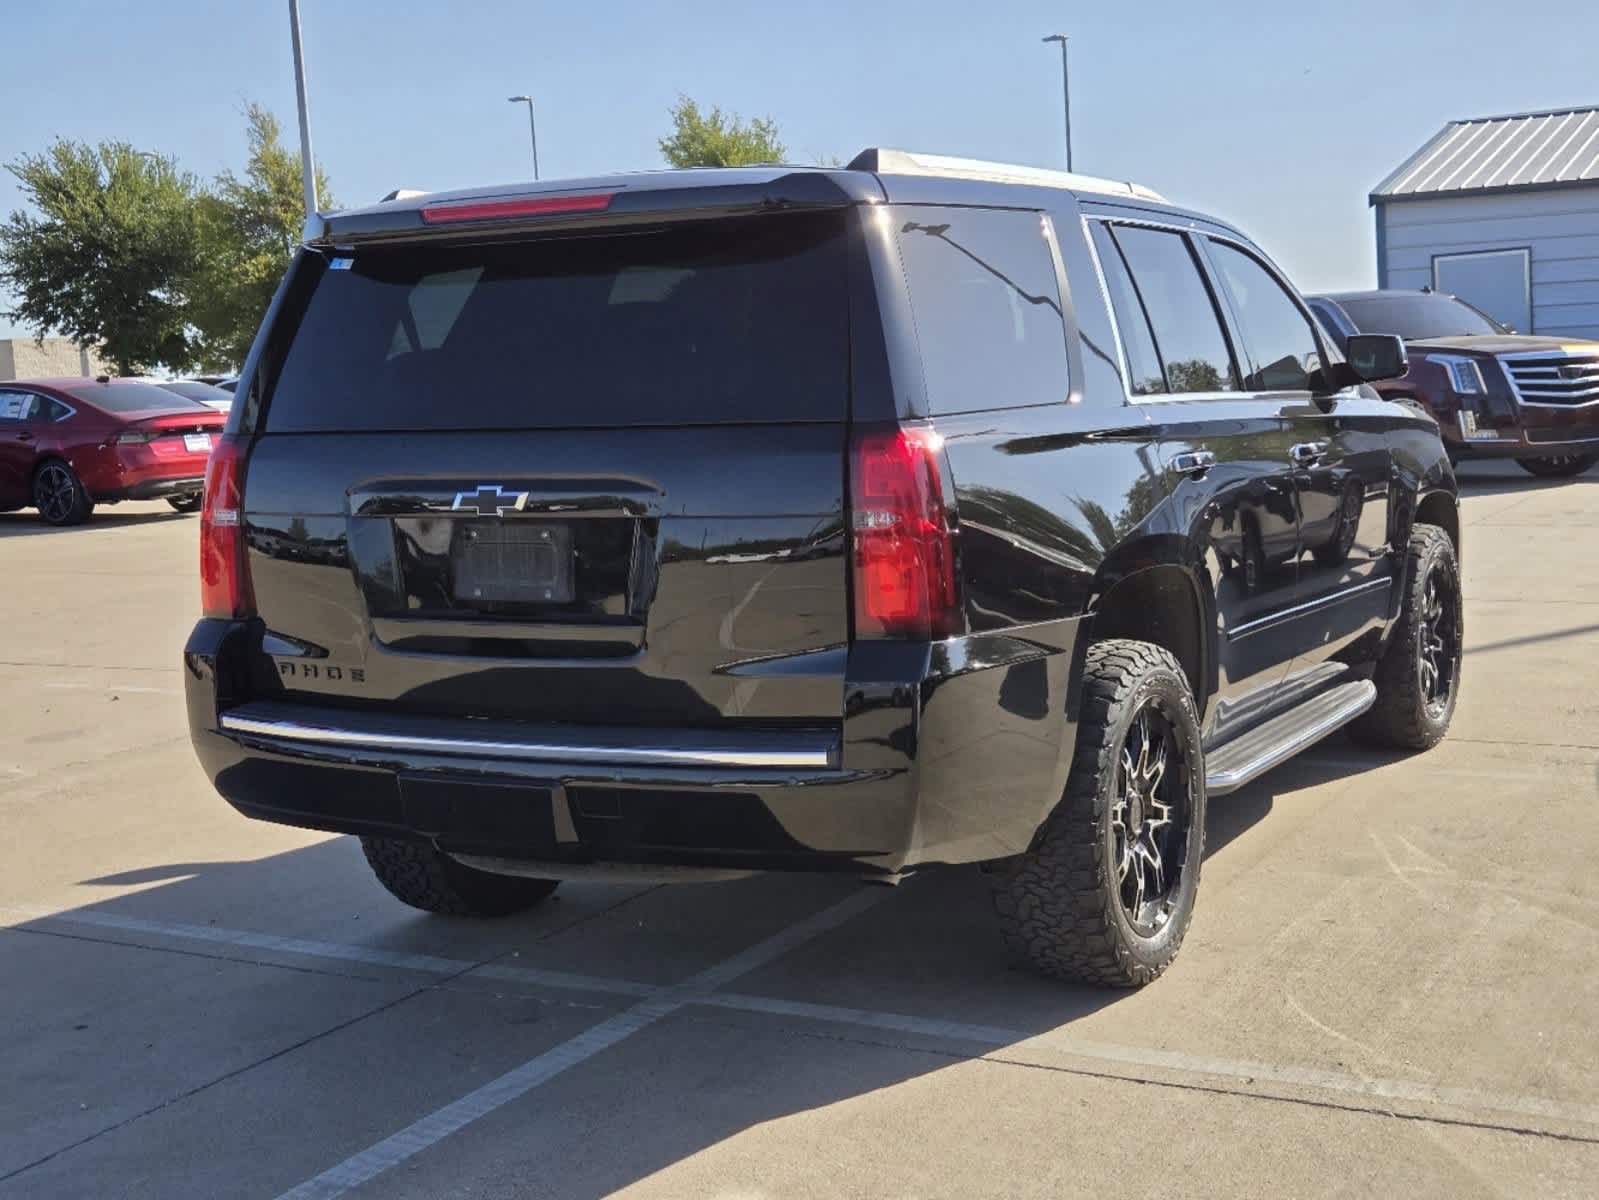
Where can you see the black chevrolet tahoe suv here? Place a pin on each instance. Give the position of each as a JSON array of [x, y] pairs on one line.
[[917, 512]]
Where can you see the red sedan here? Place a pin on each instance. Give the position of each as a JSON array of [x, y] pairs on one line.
[[69, 444]]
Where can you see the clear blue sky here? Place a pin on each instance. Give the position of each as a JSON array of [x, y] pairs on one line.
[[1280, 117]]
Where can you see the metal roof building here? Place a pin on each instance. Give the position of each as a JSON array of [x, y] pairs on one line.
[[1503, 211]]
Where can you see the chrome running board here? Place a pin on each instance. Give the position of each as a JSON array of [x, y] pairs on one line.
[[1252, 754]]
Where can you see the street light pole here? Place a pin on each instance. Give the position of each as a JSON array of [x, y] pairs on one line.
[[1066, 88], [532, 129], [307, 163]]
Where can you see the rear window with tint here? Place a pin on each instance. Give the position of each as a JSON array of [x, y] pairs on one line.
[[133, 397], [731, 321]]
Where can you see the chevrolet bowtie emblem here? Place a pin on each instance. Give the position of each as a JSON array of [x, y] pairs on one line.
[[489, 500]]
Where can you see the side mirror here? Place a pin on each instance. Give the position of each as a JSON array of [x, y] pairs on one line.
[[1374, 356]]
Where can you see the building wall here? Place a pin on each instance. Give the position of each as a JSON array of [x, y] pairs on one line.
[[24, 358], [1560, 227]]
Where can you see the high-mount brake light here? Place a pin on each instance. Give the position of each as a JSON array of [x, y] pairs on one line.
[[225, 589], [902, 547], [496, 210]]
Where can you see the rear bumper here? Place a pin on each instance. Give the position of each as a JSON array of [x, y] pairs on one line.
[[153, 489], [948, 753]]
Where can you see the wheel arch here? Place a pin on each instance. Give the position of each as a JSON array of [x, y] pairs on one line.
[[1441, 508], [1165, 604]]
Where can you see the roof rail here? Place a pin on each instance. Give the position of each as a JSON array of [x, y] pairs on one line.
[[884, 161]]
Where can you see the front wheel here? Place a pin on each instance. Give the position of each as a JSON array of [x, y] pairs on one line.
[[1418, 676], [431, 880], [59, 494], [1106, 892], [1560, 466]]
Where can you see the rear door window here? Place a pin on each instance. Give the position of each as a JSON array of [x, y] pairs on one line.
[[1145, 376], [987, 307], [727, 321], [1277, 335], [1188, 332]]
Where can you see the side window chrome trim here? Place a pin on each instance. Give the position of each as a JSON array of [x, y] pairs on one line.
[[1193, 229], [1123, 370], [1190, 230]]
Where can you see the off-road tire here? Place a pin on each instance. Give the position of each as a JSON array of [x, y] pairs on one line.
[[1562, 466], [1400, 717], [426, 878], [49, 478], [1058, 904]]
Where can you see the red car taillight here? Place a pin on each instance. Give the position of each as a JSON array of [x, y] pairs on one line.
[[902, 548], [224, 574]]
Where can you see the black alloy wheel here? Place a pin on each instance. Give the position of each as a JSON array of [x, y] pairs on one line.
[[1105, 892], [1149, 819], [1438, 658], [59, 495]]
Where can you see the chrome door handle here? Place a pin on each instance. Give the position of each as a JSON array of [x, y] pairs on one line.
[[1307, 453], [1191, 462]]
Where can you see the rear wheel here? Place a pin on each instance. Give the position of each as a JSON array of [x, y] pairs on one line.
[[59, 494], [1560, 466], [1106, 892], [1418, 676], [428, 879], [185, 503]]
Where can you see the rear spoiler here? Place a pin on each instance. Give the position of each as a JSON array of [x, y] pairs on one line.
[[618, 203]]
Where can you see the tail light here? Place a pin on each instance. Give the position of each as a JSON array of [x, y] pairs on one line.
[[224, 574], [134, 437], [903, 551]]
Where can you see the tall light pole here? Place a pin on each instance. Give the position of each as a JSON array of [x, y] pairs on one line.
[[532, 129], [1066, 89], [307, 163]]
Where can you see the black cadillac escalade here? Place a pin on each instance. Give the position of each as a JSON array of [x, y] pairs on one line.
[[863, 520]]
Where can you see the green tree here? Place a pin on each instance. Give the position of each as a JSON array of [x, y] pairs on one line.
[[249, 229], [718, 139], [105, 259]]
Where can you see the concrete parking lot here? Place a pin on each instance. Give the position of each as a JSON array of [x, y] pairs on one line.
[[1390, 986]]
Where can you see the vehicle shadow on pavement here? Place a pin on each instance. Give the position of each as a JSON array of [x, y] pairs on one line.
[[27, 524], [928, 951]]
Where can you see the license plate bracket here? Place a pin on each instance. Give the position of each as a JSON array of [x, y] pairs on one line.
[[519, 562]]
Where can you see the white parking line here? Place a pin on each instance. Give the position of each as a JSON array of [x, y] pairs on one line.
[[343, 952], [433, 1128], [59, 686], [659, 1001]]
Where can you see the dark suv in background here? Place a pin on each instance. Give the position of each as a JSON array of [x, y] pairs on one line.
[[858, 520], [1496, 393]]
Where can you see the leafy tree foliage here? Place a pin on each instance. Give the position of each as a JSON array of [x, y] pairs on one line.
[[107, 256], [249, 229], [718, 139]]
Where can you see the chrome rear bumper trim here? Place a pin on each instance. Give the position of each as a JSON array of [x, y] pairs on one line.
[[792, 751]]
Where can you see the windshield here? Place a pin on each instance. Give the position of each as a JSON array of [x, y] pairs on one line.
[[726, 321], [128, 396], [193, 389], [1414, 315]]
